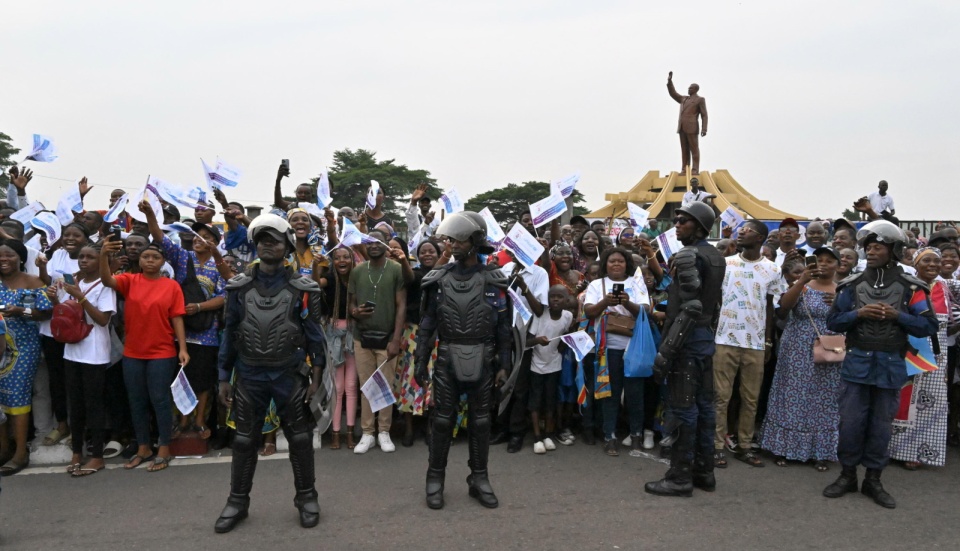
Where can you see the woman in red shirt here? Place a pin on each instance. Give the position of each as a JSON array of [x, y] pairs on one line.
[[153, 317]]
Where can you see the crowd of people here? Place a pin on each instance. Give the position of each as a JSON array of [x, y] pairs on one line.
[[98, 324]]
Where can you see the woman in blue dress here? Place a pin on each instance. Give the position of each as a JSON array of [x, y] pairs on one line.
[[24, 304]]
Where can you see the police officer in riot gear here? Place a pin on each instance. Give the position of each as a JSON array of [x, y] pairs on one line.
[[877, 309], [271, 327], [685, 358], [465, 306]]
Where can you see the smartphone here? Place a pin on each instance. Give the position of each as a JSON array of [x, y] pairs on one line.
[[116, 234], [369, 304], [3, 307], [810, 261], [285, 163], [68, 278], [617, 288]]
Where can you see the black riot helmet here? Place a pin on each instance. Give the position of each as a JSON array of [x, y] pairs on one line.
[[466, 226], [701, 212]]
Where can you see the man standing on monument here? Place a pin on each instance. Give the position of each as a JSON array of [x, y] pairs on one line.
[[688, 126]]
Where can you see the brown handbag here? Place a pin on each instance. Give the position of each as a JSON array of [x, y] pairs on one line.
[[827, 349], [618, 324]]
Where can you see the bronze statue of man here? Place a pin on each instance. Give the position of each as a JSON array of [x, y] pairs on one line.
[[688, 126]]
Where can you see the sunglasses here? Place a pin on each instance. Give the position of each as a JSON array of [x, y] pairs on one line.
[[681, 220]]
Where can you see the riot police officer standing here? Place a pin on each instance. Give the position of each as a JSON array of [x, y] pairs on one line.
[[465, 306], [685, 358]]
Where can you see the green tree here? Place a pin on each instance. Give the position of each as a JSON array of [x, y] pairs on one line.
[[350, 176], [508, 202], [851, 215], [7, 152]]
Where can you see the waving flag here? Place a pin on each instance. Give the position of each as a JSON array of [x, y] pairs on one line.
[[68, 204], [222, 174], [352, 236], [451, 201], [523, 245], [43, 150], [731, 217], [519, 306], [27, 213], [566, 185], [49, 224], [638, 217], [323, 190], [494, 232], [669, 245], [580, 343], [118, 207], [547, 209], [149, 193], [372, 194]]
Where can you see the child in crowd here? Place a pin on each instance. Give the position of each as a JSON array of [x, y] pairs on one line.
[[545, 365]]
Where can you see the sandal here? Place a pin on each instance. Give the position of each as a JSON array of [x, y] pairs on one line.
[[821, 466], [11, 467], [85, 471], [72, 467], [720, 460], [269, 449], [780, 461], [137, 460], [750, 458], [335, 441], [54, 437], [203, 432], [159, 464]]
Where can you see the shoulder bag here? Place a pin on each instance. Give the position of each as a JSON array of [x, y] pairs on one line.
[[827, 349], [618, 324]]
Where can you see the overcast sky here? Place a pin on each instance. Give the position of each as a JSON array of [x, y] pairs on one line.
[[811, 103]]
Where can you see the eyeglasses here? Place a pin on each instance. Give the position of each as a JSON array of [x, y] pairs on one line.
[[681, 220], [748, 229]]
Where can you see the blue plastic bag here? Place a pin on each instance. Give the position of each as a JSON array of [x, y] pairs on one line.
[[642, 350]]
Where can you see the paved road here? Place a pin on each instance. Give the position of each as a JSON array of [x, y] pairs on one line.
[[574, 498]]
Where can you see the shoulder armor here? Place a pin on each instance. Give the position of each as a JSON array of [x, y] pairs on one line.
[[304, 284], [914, 282], [495, 276], [435, 274], [238, 281], [851, 279]]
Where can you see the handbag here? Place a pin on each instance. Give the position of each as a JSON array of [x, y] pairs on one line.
[[375, 340], [640, 354], [618, 324], [827, 349]]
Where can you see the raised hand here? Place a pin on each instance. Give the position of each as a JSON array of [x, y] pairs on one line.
[[670, 76], [84, 187], [20, 178]]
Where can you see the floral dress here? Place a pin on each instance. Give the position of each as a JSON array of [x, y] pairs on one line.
[[803, 412], [22, 356]]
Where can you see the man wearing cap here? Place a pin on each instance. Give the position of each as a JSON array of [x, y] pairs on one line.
[[466, 309], [272, 316], [877, 310], [788, 234], [419, 214], [685, 358]]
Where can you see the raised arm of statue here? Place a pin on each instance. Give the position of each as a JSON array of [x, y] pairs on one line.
[[673, 91]]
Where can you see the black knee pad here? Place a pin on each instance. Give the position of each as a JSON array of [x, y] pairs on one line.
[[298, 439], [245, 443], [443, 423]]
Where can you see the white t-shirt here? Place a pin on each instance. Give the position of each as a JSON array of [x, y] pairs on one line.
[[637, 293], [95, 348], [31, 266], [880, 203], [546, 359], [60, 263], [536, 279], [691, 197], [743, 311]]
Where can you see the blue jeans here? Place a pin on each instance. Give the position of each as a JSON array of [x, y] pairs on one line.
[[148, 382], [632, 390]]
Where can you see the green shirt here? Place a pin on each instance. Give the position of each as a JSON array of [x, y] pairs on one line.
[[380, 287]]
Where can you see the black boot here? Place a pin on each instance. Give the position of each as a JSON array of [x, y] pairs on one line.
[[845, 483], [435, 480], [515, 444], [232, 514], [873, 488], [705, 481], [306, 502], [676, 483], [481, 490]]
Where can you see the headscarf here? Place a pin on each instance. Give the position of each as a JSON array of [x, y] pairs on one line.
[[314, 237], [924, 251]]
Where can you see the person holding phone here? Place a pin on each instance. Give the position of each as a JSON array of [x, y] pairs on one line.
[[153, 317], [616, 294]]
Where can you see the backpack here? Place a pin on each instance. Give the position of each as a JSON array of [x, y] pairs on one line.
[[193, 294], [69, 323]]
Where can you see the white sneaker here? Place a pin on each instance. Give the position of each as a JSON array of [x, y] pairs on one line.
[[628, 441], [365, 443], [565, 439], [648, 439], [548, 443], [539, 448], [385, 443]]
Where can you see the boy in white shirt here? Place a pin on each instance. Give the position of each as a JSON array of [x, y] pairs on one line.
[[545, 365]]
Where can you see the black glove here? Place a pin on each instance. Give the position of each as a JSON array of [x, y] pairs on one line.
[[421, 374], [660, 365]]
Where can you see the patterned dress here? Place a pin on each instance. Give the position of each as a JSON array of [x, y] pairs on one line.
[[803, 412], [920, 428], [22, 357]]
